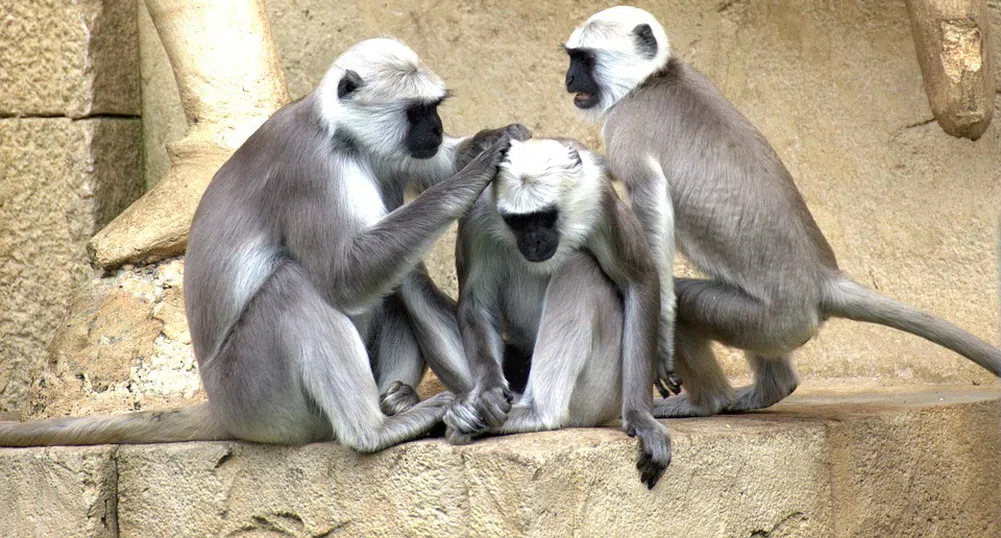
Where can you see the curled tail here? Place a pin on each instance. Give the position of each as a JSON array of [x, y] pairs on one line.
[[844, 298], [193, 423]]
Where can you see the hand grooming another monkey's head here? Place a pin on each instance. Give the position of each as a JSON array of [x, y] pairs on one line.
[[610, 53]]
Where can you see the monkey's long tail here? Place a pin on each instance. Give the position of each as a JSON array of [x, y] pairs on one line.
[[845, 298], [193, 423]]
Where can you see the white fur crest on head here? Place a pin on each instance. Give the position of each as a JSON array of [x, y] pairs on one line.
[[540, 174], [392, 76], [619, 64]]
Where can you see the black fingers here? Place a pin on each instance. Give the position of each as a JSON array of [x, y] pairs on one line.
[[654, 450], [651, 470], [494, 405], [671, 385]]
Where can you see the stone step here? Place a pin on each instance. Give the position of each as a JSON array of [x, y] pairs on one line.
[[919, 462]]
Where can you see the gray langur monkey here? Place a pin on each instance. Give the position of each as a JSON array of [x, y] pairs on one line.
[[700, 175], [303, 286], [550, 258]]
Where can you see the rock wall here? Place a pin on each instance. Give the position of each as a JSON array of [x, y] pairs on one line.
[[70, 160]]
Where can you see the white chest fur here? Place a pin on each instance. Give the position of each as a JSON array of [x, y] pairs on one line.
[[362, 194]]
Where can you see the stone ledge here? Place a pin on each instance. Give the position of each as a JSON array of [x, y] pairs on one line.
[[892, 463]]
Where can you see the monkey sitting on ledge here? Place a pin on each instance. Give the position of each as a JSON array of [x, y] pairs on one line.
[[550, 257], [303, 272]]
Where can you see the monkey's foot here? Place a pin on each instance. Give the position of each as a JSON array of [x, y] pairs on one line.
[[474, 413], [654, 448], [759, 397], [398, 398], [682, 407]]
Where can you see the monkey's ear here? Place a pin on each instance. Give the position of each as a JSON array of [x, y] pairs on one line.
[[646, 43], [348, 84]]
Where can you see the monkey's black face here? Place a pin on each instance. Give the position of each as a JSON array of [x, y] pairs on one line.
[[424, 135], [580, 79], [536, 233]]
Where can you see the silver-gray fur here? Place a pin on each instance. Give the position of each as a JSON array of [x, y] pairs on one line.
[[310, 312], [737, 216], [587, 316]]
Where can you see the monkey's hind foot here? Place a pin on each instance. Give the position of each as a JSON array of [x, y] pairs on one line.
[[681, 406], [475, 413], [398, 398], [759, 397]]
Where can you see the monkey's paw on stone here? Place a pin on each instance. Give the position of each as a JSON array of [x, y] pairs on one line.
[[398, 398], [474, 413], [654, 449]]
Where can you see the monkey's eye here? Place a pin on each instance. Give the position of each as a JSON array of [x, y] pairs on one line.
[[420, 111], [582, 56], [537, 219]]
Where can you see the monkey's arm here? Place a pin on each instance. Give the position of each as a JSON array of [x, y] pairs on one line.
[[625, 257], [479, 318], [650, 196], [376, 259], [433, 318]]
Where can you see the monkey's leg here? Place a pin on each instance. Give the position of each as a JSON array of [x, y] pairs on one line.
[[734, 318], [396, 359], [774, 379], [707, 390], [433, 320], [296, 370], [576, 371], [765, 329]]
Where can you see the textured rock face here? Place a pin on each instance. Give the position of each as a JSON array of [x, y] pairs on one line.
[[73, 59], [124, 345], [66, 492], [61, 180], [828, 465], [952, 40]]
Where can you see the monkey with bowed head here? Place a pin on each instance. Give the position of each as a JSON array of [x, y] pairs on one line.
[[303, 284], [552, 264], [700, 175]]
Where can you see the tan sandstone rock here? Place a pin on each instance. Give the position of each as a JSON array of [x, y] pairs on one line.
[[70, 492], [953, 46], [821, 464], [228, 86], [74, 59], [124, 346], [60, 181]]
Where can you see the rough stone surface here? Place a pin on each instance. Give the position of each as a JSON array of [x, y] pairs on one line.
[[124, 346], [821, 464], [228, 86], [60, 181], [74, 59], [951, 38], [161, 102], [59, 491]]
